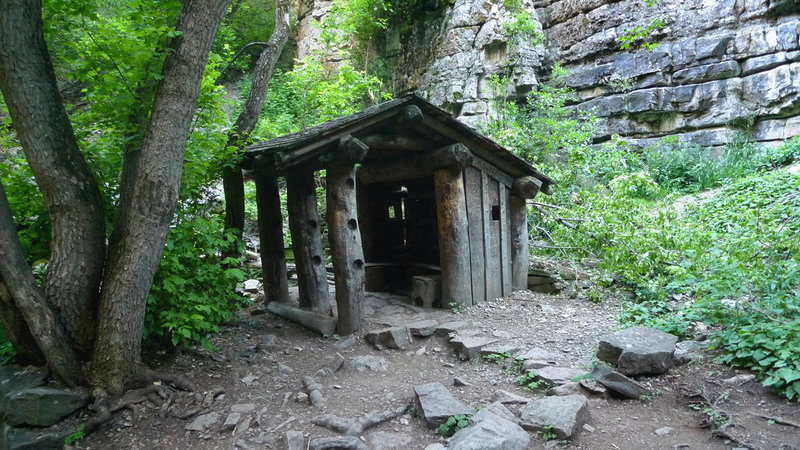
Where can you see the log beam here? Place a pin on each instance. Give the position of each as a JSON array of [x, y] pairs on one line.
[[526, 187], [452, 157], [312, 278], [322, 324], [454, 254], [270, 233], [345, 237]]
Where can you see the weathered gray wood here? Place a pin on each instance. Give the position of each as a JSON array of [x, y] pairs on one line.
[[505, 239], [472, 186], [454, 157], [322, 324], [454, 254], [491, 238], [270, 232], [492, 171], [401, 142], [312, 278], [520, 258], [526, 187], [345, 238]]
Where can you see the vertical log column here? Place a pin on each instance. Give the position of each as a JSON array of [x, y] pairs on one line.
[[451, 210], [345, 237], [309, 257], [523, 188], [270, 232]]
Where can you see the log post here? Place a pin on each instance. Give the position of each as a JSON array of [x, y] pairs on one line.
[[312, 278], [345, 237], [451, 207], [522, 189], [270, 232]]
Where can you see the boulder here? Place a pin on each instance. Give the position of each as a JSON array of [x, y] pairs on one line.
[[422, 328], [687, 351], [42, 406], [397, 338], [491, 428], [563, 416], [437, 403], [617, 382], [638, 351], [468, 347]]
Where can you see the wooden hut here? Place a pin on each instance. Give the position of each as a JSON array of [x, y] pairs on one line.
[[415, 200]]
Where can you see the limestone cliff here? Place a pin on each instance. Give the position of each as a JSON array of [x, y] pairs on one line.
[[720, 66]]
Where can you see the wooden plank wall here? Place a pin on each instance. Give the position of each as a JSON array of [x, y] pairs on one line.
[[489, 239]]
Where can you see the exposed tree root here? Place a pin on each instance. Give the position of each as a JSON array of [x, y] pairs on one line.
[[314, 391], [717, 419], [337, 443], [356, 427], [778, 420]]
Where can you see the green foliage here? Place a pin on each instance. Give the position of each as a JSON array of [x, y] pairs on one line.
[[247, 21], [531, 382], [496, 358], [25, 199], [547, 433], [640, 35], [7, 352], [193, 289], [457, 308], [453, 424], [76, 436]]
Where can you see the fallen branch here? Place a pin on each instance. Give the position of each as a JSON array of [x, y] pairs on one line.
[[356, 427], [778, 420], [314, 391]]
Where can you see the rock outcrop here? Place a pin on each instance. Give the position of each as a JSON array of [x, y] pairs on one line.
[[719, 67]]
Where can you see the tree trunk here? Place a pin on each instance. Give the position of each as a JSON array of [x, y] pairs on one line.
[[232, 181], [71, 195], [270, 234], [43, 324], [132, 263], [345, 237], [17, 330], [451, 209]]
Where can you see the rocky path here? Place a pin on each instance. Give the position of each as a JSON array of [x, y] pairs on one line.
[[272, 384]]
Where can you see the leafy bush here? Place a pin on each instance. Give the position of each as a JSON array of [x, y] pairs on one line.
[[7, 352], [453, 424], [193, 289]]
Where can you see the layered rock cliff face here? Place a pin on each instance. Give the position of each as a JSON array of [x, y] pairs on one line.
[[720, 66]]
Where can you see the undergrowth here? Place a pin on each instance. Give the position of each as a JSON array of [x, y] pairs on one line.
[[698, 235]]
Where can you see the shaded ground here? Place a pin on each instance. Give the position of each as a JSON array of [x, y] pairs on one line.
[[252, 368]]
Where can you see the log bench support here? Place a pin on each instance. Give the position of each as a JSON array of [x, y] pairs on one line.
[[312, 278], [345, 238], [522, 189], [270, 232], [426, 290], [451, 211]]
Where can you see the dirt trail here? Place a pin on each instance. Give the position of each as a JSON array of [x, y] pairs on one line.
[[260, 363]]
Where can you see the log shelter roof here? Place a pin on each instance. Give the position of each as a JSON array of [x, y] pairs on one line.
[[390, 129]]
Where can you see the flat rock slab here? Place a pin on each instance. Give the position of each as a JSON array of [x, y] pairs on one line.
[[203, 422], [491, 428], [16, 378], [369, 362], [449, 327], [559, 375], [422, 328], [563, 416], [539, 354], [42, 406], [437, 403], [638, 351], [398, 338], [509, 349], [617, 382], [468, 347], [506, 397]]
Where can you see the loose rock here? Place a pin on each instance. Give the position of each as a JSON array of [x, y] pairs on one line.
[[203, 422], [563, 416], [437, 403], [638, 351], [617, 382], [368, 362], [395, 337]]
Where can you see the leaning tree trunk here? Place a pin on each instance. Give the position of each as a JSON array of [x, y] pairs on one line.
[[71, 195], [232, 181], [17, 329], [44, 326], [132, 263]]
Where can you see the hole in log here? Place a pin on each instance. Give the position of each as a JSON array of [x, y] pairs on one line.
[[358, 264], [316, 260], [495, 212], [312, 224], [351, 183], [352, 224]]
